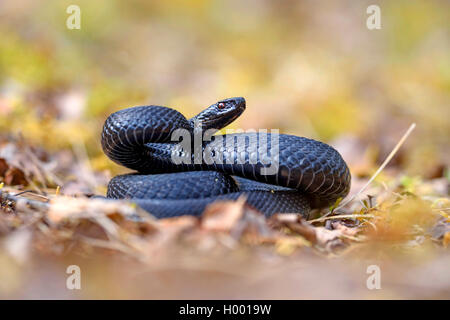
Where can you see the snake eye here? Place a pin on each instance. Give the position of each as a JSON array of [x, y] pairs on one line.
[[221, 105]]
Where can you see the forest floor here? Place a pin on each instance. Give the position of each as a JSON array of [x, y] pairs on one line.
[[389, 239]]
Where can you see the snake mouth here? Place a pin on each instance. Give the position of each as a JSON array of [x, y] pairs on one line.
[[227, 111], [221, 113]]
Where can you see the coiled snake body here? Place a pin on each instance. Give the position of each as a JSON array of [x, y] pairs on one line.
[[308, 173]]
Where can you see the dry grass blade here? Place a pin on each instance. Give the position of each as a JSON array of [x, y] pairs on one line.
[[381, 168], [19, 201], [343, 216]]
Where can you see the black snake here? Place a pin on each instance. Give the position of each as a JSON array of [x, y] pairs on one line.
[[307, 173]]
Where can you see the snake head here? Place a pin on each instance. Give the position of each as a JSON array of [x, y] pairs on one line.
[[220, 114]]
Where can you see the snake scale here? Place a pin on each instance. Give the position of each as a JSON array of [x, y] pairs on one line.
[[308, 173]]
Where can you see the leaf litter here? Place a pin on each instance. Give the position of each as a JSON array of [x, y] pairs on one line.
[[44, 222]]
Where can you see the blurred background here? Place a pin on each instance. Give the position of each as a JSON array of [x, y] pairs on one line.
[[307, 69]]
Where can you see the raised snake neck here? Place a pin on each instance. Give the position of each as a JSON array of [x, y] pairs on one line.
[[309, 173]]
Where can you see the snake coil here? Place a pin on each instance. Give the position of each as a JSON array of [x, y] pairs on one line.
[[308, 173]]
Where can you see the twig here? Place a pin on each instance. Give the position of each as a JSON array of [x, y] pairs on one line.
[[33, 193], [383, 165], [343, 216], [33, 204]]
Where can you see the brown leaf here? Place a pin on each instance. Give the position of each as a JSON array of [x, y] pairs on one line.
[[295, 223], [325, 236], [337, 225], [320, 236], [223, 215], [3, 167], [15, 176], [178, 224], [67, 207], [253, 225]]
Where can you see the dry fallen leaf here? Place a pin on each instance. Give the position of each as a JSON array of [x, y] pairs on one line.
[[67, 207], [3, 167], [295, 223], [177, 225], [320, 236], [329, 239], [337, 225], [15, 176], [222, 216]]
